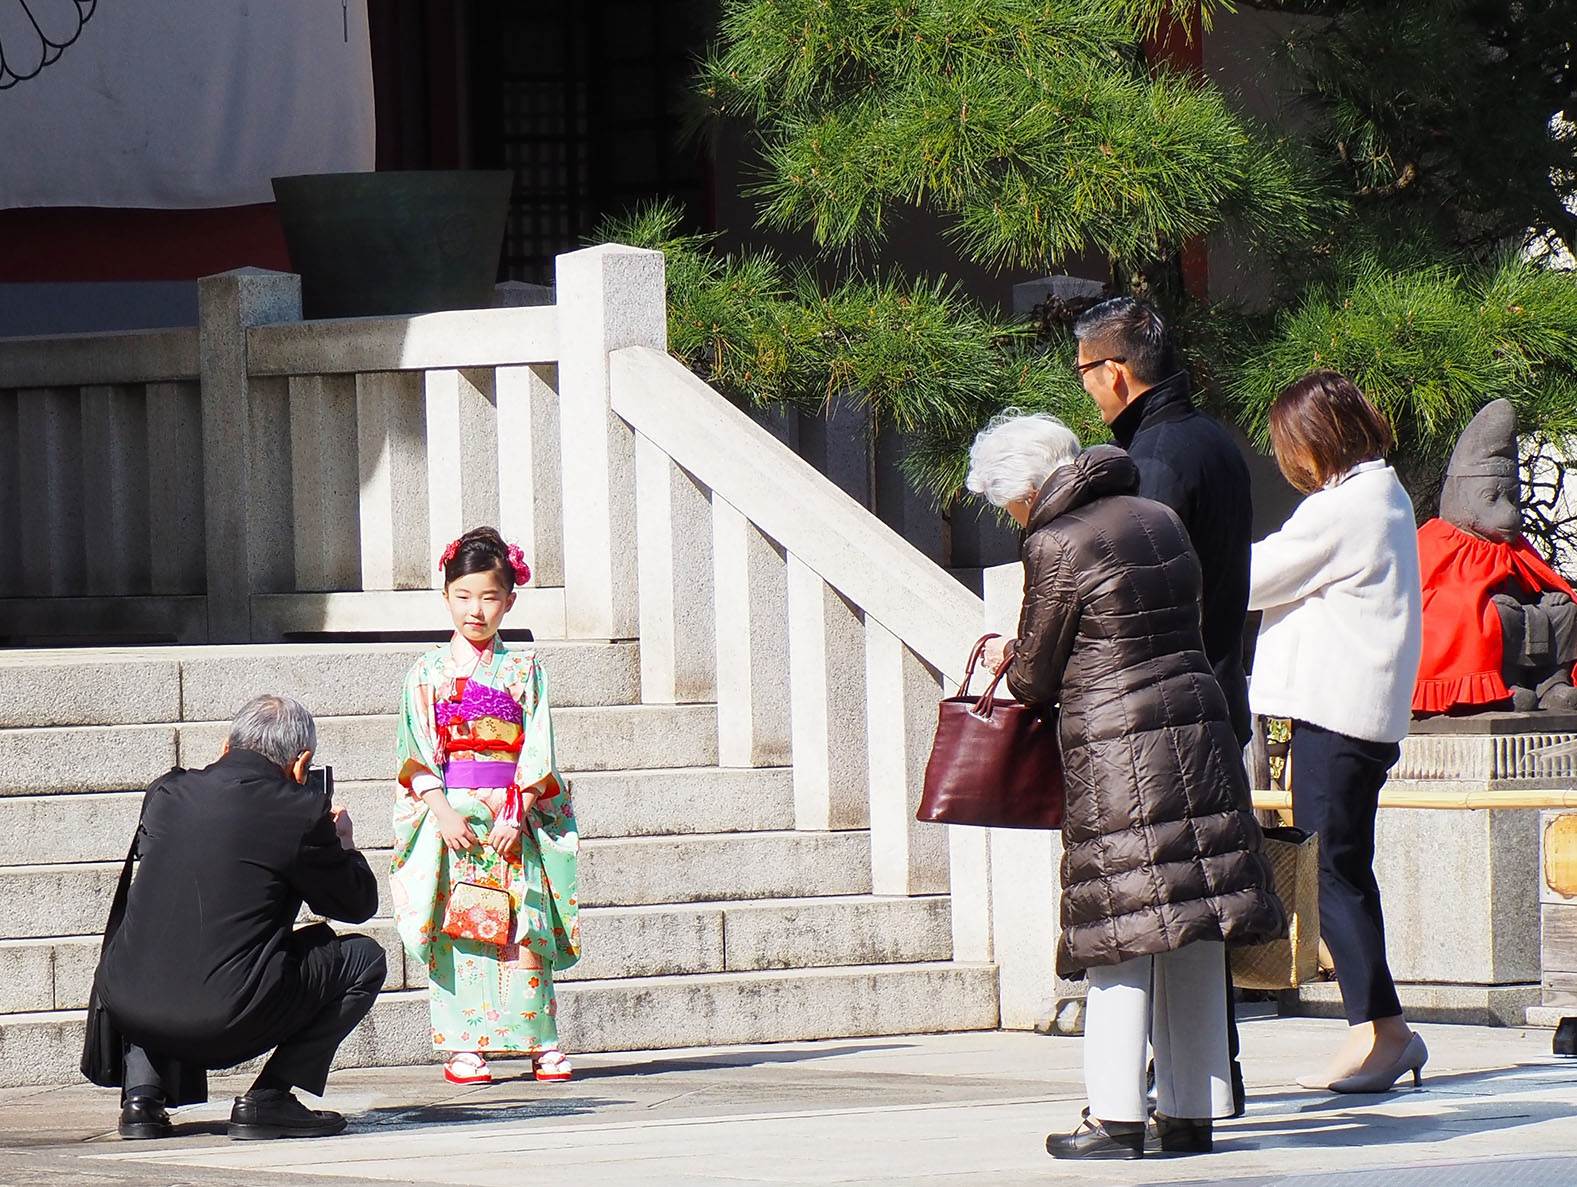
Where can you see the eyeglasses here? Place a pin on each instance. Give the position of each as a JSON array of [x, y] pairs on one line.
[[1081, 368]]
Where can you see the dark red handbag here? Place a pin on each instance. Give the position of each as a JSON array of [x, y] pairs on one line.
[[994, 763]]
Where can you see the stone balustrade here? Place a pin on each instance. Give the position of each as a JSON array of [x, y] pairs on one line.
[[265, 478]]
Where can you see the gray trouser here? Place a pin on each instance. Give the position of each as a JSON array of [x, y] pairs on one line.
[[1177, 1001]]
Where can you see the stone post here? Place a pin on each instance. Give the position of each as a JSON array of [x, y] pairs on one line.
[[1025, 866], [391, 453], [610, 296], [462, 443], [827, 694], [907, 857], [752, 642], [530, 487], [673, 518], [325, 493], [246, 447], [115, 463]]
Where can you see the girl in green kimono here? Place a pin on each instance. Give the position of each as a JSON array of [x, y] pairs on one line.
[[483, 802]]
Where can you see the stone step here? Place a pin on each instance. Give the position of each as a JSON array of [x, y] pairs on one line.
[[683, 800], [796, 1005], [88, 826], [134, 686], [56, 973], [722, 867], [38, 761], [72, 899]]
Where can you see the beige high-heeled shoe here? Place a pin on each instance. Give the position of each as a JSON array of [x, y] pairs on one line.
[[1412, 1059]]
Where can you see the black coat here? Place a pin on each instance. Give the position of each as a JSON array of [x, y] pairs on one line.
[[199, 969], [1189, 462], [1160, 844]]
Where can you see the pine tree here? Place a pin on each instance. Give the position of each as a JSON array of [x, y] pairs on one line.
[[1414, 228]]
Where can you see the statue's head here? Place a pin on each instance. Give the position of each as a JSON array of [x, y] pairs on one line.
[[1482, 491]]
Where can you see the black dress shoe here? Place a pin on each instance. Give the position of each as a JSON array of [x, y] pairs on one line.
[[144, 1117], [1183, 1135], [256, 1117], [1099, 1139]]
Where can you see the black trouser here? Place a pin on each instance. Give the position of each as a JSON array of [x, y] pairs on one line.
[[339, 979], [1336, 784]]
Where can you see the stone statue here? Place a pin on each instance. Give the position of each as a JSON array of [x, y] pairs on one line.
[[1500, 625]]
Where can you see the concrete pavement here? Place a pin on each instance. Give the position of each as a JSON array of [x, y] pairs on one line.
[[1496, 1107]]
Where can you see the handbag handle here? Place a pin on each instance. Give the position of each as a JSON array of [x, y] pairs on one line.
[[986, 701], [974, 659]]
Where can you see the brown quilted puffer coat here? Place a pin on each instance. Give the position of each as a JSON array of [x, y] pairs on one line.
[[1160, 844]]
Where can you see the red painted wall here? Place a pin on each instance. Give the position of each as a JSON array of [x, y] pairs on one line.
[[81, 243]]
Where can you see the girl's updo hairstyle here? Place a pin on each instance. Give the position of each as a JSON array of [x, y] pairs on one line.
[[481, 550]]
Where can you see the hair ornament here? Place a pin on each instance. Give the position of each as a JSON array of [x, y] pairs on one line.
[[449, 553], [517, 562]]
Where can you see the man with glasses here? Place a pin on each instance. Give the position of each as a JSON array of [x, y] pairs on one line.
[[1189, 462]]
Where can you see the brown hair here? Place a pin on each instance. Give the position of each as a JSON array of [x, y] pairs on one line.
[[1321, 426]]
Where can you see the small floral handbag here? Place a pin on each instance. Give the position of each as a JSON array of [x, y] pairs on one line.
[[479, 911]]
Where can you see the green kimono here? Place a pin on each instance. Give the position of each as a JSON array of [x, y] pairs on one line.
[[465, 715]]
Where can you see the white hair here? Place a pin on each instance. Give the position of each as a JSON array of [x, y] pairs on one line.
[[1015, 453]]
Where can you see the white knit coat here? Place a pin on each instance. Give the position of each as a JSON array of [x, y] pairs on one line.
[[1342, 632]]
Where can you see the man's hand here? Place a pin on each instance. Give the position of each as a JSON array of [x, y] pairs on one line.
[[342, 826], [995, 654]]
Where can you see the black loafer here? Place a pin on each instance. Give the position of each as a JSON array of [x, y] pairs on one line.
[[1183, 1135], [143, 1117], [254, 1118], [1099, 1139]]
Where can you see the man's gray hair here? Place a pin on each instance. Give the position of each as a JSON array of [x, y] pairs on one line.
[[279, 728], [1015, 453]]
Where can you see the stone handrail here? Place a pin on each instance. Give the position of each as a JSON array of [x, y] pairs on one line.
[[429, 341], [78, 360], [796, 506], [821, 634]]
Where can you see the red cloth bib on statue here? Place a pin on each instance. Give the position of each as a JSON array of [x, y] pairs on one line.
[[1462, 643]]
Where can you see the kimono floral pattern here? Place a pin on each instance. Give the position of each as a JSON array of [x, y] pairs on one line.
[[485, 996]]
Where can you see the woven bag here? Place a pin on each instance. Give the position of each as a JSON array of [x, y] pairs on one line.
[[1294, 857]]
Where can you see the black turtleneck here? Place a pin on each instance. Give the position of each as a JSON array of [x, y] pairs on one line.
[[1189, 462]]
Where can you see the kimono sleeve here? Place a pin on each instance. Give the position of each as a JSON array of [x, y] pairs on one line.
[[417, 746], [537, 760]]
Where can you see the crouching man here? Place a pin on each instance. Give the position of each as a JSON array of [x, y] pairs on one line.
[[204, 969]]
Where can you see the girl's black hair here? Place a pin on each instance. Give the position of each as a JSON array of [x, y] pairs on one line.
[[481, 550]]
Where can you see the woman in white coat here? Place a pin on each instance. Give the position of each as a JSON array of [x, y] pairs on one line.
[[1338, 654]]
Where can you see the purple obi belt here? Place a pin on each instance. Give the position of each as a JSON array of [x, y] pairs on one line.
[[473, 774]]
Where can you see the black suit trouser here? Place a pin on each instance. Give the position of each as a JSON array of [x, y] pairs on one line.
[[338, 980], [1336, 783]]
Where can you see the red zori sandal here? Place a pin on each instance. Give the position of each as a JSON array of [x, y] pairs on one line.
[[467, 1067], [552, 1066]]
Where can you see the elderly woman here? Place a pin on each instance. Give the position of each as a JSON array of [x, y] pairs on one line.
[[1161, 861]]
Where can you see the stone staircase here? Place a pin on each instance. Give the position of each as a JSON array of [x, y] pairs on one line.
[[708, 919]]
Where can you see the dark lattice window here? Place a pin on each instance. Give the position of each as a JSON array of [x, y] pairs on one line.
[[584, 103]]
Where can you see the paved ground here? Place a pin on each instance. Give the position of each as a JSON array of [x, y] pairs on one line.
[[1495, 1108]]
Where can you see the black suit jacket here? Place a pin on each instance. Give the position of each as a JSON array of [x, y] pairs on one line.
[[199, 969], [1189, 462]]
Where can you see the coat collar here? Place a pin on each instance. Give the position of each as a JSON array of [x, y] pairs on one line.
[[1171, 399], [1099, 471], [239, 763]]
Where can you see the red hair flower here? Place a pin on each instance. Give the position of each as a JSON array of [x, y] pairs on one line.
[[517, 562], [443, 561]]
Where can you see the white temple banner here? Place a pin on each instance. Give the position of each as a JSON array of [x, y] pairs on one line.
[[179, 103]]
